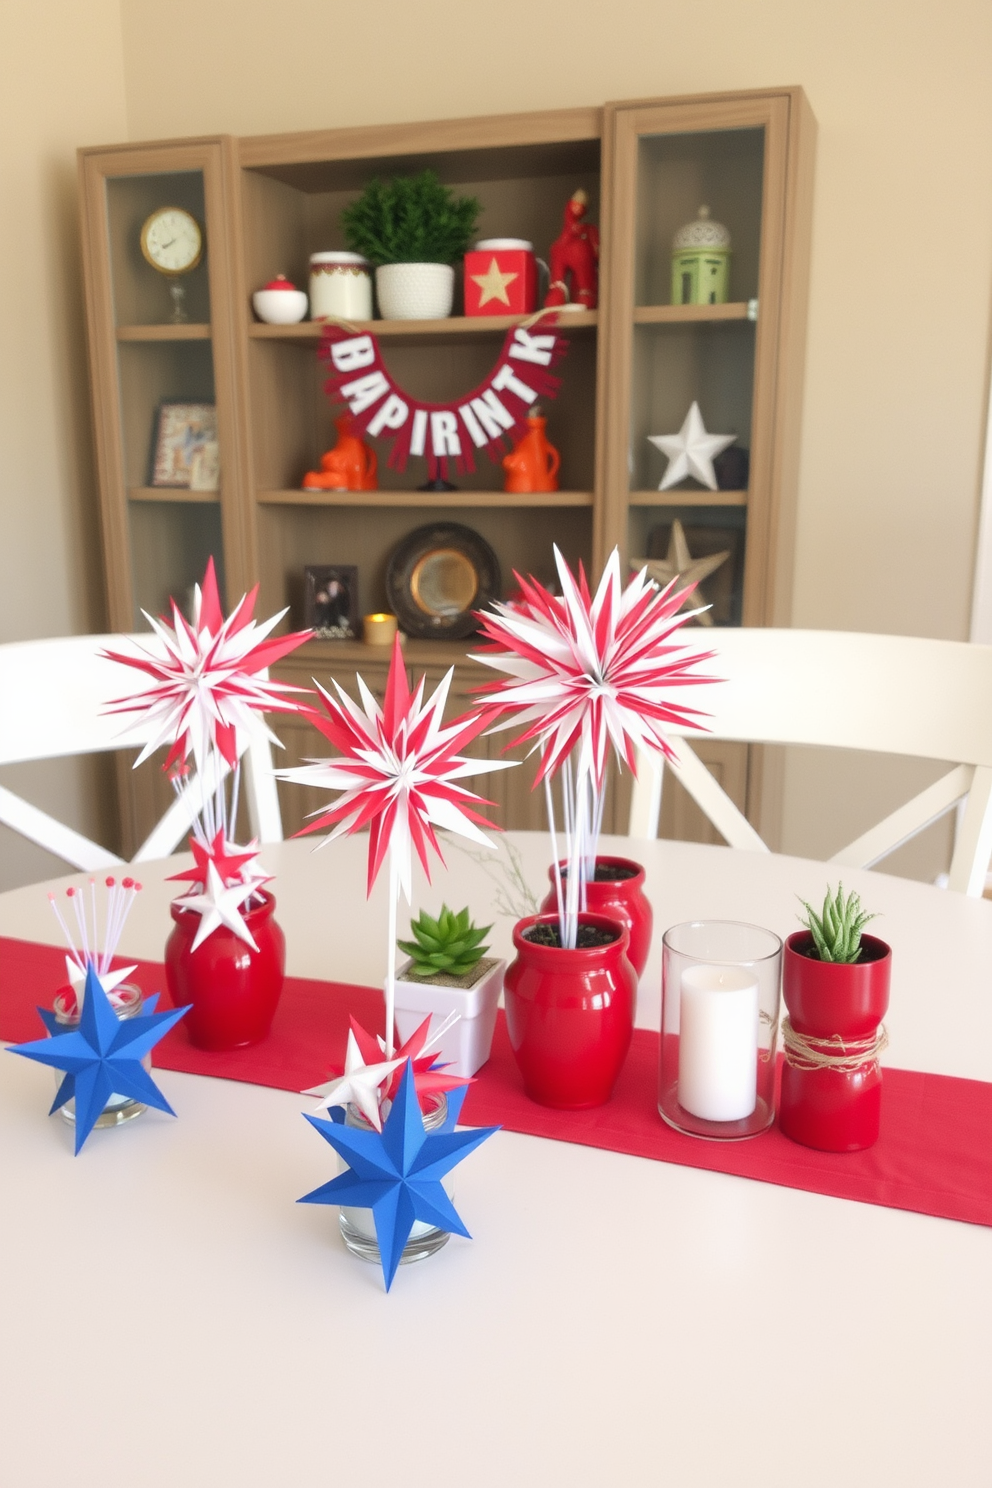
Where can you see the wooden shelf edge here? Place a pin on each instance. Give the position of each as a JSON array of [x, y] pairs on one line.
[[356, 653], [171, 493], [683, 314], [453, 325], [423, 498], [191, 331], [688, 498]]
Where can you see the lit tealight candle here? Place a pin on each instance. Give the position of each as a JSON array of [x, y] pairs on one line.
[[379, 630], [718, 1042]]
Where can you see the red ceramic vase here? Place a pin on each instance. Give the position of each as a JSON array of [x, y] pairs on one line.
[[233, 990], [570, 1015], [620, 899], [835, 1111]]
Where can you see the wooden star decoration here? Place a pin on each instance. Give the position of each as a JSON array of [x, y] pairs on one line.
[[691, 451], [680, 564], [493, 284]]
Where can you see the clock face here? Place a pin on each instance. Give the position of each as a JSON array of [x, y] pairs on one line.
[[171, 241]]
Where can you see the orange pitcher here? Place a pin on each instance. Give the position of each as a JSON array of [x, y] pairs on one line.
[[350, 466], [533, 465]]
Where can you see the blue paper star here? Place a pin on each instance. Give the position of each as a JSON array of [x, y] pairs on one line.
[[397, 1173], [102, 1056]]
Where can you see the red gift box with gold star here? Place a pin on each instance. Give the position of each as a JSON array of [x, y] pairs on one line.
[[501, 280]]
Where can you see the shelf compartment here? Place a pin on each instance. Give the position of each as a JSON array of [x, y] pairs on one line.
[[418, 498], [452, 325], [187, 331], [680, 314], [688, 498], [171, 493]]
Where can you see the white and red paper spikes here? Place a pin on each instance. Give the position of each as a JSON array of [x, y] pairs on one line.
[[587, 671], [205, 693], [397, 771]]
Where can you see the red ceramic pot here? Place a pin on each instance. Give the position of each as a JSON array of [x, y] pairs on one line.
[[620, 899], [570, 1015], [835, 1111], [233, 990]]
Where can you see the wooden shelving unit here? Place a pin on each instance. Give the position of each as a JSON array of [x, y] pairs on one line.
[[632, 369]]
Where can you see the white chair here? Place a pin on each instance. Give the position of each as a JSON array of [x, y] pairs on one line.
[[888, 694], [53, 694]]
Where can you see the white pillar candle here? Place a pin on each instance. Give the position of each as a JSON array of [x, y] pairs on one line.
[[718, 1042]]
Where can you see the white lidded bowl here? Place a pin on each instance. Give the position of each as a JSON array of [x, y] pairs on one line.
[[280, 306], [415, 291]]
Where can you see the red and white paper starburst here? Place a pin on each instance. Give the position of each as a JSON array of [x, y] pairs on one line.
[[397, 771], [205, 693], [585, 671]]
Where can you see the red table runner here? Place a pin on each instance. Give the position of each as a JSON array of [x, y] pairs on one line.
[[934, 1154]]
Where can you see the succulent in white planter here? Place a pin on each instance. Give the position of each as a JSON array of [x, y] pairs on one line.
[[448, 972], [413, 229]]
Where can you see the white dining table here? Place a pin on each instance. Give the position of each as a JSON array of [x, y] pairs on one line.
[[171, 1316]]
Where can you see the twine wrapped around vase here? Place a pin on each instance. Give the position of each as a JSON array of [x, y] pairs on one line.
[[845, 1056]]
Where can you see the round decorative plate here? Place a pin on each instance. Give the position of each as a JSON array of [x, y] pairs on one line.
[[437, 577]]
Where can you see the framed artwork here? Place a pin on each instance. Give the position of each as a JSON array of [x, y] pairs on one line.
[[186, 451], [330, 601]]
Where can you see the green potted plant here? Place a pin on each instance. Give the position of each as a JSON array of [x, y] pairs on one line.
[[835, 982], [448, 972], [412, 229]]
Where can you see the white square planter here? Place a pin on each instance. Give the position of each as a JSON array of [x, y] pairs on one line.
[[466, 1044]]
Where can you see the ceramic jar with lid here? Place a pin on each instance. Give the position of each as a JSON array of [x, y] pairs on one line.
[[701, 262], [340, 287]]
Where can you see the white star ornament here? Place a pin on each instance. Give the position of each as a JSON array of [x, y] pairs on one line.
[[358, 1086], [691, 451], [219, 905]]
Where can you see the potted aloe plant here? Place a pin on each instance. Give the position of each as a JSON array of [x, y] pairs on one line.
[[450, 977], [835, 983], [412, 229]]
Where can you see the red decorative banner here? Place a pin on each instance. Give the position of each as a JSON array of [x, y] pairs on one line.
[[440, 432]]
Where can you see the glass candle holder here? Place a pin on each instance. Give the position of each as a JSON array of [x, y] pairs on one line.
[[719, 1028], [129, 1001], [358, 1226]]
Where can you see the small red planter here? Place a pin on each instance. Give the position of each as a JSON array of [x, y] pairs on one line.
[[620, 899], [834, 1110], [233, 990], [570, 1015]]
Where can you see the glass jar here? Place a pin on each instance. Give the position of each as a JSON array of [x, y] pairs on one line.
[[719, 1028], [340, 287], [128, 1002], [358, 1226]]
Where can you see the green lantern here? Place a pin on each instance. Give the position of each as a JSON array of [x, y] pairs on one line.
[[701, 262]]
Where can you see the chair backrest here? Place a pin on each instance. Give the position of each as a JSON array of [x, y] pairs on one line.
[[53, 695], [888, 694]]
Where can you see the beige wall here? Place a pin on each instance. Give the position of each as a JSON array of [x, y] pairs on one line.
[[61, 82], [902, 255]]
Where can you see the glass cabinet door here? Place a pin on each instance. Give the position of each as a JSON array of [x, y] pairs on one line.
[[157, 254], [701, 234]]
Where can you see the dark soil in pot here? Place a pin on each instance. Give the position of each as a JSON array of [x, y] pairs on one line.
[[589, 936]]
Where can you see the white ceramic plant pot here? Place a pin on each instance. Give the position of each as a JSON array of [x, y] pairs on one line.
[[466, 1045], [415, 291]]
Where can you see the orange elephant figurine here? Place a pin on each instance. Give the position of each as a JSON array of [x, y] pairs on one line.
[[533, 465], [350, 466]]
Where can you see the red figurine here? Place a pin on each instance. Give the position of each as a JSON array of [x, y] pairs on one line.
[[575, 253], [350, 466]]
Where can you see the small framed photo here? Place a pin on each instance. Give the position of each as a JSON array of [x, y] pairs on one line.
[[186, 452], [330, 602]]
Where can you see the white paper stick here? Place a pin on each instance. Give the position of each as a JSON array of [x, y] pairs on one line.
[[235, 793], [550, 803], [394, 893], [65, 931]]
